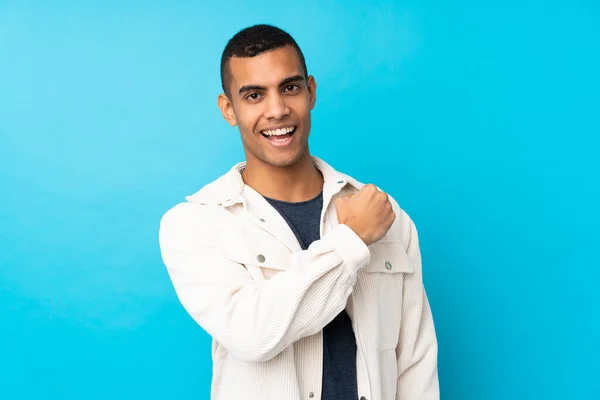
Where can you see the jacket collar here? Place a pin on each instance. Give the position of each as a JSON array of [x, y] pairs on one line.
[[227, 189]]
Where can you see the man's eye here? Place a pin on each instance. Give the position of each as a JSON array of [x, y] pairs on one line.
[[291, 88], [253, 96]]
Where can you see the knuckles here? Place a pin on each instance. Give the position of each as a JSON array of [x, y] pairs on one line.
[[370, 188]]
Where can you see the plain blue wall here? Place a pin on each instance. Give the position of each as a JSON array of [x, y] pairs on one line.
[[480, 118]]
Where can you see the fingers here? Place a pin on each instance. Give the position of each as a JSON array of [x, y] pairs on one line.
[[370, 188], [346, 197]]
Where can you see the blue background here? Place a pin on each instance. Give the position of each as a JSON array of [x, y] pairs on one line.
[[480, 118]]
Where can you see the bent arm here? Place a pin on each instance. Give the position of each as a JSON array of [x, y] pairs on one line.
[[253, 320]]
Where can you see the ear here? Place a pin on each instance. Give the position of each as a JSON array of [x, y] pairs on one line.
[[226, 108], [312, 90]]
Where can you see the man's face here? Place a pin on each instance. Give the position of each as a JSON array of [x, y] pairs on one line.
[[270, 103]]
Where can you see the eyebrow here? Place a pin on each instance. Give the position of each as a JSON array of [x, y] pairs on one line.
[[286, 81]]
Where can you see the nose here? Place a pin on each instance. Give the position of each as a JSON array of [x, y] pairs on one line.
[[276, 108]]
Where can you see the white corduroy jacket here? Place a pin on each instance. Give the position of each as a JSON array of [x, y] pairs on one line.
[[241, 274]]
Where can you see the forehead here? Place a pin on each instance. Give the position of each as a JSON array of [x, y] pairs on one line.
[[266, 69]]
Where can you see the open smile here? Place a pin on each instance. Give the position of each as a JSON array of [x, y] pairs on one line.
[[281, 136]]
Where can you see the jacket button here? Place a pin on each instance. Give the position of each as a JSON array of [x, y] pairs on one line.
[[363, 398], [311, 395], [388, 266], [261, 258]]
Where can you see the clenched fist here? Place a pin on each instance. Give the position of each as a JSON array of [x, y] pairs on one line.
[[368, 213]]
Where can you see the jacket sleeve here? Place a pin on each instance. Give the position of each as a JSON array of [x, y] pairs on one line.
[[417, 346], [254, 320]]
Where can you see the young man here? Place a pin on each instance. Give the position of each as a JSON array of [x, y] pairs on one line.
[[308, 281]]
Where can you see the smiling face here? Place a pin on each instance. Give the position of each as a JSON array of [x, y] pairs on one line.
[[270, 101]]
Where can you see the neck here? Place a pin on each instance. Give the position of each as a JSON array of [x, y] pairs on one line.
[[300, 181]]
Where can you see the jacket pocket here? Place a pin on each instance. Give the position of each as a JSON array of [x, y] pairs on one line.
[[384, 278], [261, 255], [389, 257]]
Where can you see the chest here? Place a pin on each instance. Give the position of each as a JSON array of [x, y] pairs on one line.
[[265, 247], [303, 218]]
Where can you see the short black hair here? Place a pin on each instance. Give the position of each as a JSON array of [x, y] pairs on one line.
[[252, 41]]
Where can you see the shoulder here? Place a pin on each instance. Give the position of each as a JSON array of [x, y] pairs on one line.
[[186, 222], [403, 224], [198, 209], [182, 212]]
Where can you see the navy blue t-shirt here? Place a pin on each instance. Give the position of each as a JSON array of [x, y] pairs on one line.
[[339, 343]]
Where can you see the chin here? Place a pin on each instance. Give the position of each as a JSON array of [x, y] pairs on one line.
[[285, 161]]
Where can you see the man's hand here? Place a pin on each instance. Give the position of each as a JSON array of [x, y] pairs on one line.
[[369, 213]]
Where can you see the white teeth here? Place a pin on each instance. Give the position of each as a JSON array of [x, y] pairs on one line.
[[279, 132]]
